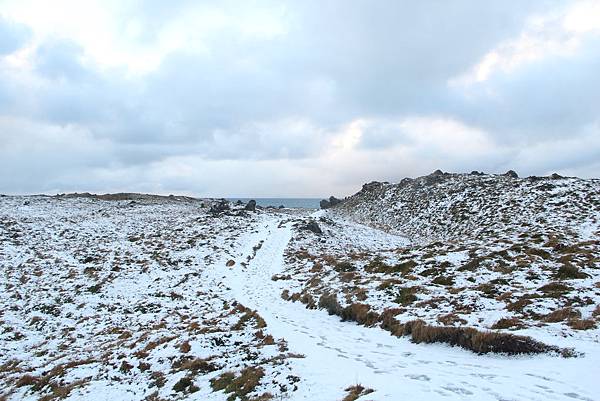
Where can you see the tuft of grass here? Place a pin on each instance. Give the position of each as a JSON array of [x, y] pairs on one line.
[[508, 323], [361, 314], [555, 289], [560, 315], [344, 267], [477, 341], [356, 391], [406, 296], [582, 324], [330, 303], [569, 272], [238, 386], [185, 384]]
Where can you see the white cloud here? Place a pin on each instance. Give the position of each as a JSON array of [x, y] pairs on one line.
[[553, 34]]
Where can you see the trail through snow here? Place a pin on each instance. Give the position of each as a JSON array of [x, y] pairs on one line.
[[340, 354]]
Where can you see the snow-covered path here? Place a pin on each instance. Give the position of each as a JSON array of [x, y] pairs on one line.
[[340, 354]]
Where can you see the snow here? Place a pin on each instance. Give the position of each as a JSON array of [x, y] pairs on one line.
[[160, 268]]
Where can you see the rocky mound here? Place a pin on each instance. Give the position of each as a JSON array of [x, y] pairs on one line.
[[444, 206]]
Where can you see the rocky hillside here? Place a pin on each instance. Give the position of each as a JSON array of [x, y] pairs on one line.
[[444, 206], [499, 254]]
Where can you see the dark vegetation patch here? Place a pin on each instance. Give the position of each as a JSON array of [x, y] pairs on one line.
[[238, 386]]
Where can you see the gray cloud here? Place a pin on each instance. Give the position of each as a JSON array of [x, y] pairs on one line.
[[285, 98]]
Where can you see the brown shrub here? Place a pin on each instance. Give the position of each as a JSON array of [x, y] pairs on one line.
[[596, 312], [389, 322], [26, 380], [361, 314], [478, 341], [285, 295], [508, 323], [518, 305], [582, 324], [355, 392], [560, 315], [450, 319], [330, 303], [569, 272], [407, 296], [241, 385], [185, 347], [248, 316], [344, 267], [555, 289]]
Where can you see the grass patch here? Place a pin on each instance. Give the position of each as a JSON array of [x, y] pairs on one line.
[[238, 386], [356, 391]]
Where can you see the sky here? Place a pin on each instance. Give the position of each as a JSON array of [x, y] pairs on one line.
[[292, 98]]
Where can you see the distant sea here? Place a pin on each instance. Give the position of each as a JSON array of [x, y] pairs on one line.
[[306, 203]]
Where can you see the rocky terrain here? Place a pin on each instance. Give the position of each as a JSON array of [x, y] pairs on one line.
[[487, 251], [448, 286], [104, 297]]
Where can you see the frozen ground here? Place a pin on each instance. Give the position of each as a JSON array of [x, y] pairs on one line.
[[342, 353], [111, 300]]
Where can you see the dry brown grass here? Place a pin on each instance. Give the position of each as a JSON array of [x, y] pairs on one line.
[[582, 324], [508, 323], [560, 315], [238, 386], [361, 314], [451, 319], [355, 392], [248, 316], [478, 341]]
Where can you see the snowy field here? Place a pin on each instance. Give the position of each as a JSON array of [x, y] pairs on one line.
[[159, 299]]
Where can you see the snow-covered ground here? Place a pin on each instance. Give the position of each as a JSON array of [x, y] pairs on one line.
[[111, 300], [339, 354]]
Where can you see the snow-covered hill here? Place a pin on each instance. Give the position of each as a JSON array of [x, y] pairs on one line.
[[455, 207], [136, 297]]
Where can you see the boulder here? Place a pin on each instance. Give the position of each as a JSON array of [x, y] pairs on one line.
[[324, 204], [251, 205], [313, 226], [556, 176], [327, 203], [511, 174], [219, 208]]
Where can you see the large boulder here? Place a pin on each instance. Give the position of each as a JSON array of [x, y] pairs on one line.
[[219, 208], [327, 203], [251, 205], [313, 226], [511, 174]]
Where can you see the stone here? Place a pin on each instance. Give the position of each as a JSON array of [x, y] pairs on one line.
[[313, 226], [511, 174], [251, 205]]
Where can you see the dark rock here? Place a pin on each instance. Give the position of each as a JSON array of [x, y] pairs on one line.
[[475, 172], [313, 226], [251, 205], [219, 208], [438, 172], [370, 186], [239, 202], [26, 203], [511, 174], [327, 203], [281, 207], [556, 176]]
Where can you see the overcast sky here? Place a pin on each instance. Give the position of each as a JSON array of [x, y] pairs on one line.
[[298, 98]]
